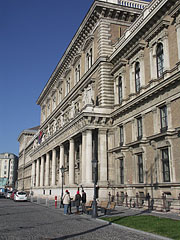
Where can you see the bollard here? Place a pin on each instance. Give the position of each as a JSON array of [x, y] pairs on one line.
[[55, 201], [126, 196], [137, 200]]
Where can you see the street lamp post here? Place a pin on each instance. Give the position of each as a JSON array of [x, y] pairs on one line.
[[94, 210], [63, 170]]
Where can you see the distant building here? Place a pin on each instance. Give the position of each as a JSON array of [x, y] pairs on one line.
[[113, 97], [8, 170], [26, 142]]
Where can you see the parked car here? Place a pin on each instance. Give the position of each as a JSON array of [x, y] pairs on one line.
[[8, 194], [20, 196]]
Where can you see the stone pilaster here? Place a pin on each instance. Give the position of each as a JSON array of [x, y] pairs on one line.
[[61, 162], [33, 174], [71, 162], [53, 167], [47, 169], [88, 156], [83, 157], [42, 172], [37, 172], [102, 155]]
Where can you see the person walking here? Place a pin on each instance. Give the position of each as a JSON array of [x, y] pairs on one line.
[[66, 201], [77, 201], [83, 202]]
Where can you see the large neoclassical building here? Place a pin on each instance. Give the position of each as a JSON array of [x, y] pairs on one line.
[[114, 97]]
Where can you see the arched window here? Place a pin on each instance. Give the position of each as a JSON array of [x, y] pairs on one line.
[[120, 90], [160, 59], [137, 76]]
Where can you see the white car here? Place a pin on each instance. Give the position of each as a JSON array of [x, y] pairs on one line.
[[20, 196]]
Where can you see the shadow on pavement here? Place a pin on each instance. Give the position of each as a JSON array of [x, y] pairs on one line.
[[81, 233]]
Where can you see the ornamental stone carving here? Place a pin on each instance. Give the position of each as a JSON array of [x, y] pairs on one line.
[[73, 110], [88, 95]]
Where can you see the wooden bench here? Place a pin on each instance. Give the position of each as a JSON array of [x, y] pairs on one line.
[[88, 207], [110, 208], [103, 206]]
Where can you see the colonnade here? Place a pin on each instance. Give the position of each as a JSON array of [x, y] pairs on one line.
[[45, 168]]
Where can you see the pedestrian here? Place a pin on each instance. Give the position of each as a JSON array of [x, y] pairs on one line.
[[77, 201], [69, 207], [83, 201], [66, 201]]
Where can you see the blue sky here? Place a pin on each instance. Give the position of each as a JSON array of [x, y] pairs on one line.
[[33, 36]]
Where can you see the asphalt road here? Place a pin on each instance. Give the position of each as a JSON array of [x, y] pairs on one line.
[[29, 221]]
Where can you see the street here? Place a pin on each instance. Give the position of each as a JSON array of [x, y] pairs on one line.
[[26, 220]]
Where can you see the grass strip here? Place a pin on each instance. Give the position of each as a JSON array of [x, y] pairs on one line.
[[161, 226]]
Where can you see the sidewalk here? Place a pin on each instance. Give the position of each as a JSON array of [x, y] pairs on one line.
[[125, 211], [119, 211]]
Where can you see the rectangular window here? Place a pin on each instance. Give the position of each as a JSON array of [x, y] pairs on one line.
[[140, 168], [67, 85], [139, 128], [77, 73], [121, 170], [165, 165], [137, 77], [120, 90], [89, 59], [163, 116], [121, 135]]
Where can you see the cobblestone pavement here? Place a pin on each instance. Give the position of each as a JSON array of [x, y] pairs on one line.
[[25, 220]]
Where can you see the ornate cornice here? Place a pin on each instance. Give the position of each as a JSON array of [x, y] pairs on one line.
[[154, 11], [98, 10], [156, 29]]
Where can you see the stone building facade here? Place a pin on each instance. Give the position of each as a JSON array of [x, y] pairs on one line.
[[114, 97], [26, 142], [8, 170]]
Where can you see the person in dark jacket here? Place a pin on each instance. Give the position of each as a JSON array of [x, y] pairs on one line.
[[77, 201], [83, 202]]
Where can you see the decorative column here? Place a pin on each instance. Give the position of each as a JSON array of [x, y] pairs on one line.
[[102, 154], [47, 169], [53, 167], [116, 89], [144, 126], [33, 174], [71, 162], [169, 116], [155, 121], [178, 35], [152, 65], [42, 172], [83, 157], [37, 173], [61, 162], [134, 130], [166, 52], [142, 72], [132, 78], [89, 156]]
